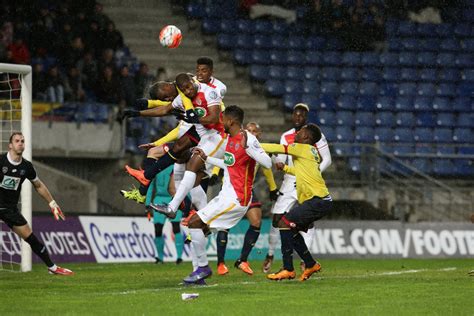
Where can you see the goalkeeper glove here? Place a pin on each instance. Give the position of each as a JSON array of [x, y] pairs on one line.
[[129, 113], [274, 195], [214, 179], [141, 104], [56, 210]]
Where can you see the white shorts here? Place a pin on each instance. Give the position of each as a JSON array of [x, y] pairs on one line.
[[213, 145], [222, 212], [183, 128], [286, 201]]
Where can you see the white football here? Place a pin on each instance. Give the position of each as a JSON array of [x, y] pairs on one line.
[[170, 36]]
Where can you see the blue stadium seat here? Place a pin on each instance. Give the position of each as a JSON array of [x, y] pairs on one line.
[[466, 150], [391, 27], [259, 73], [275, 88], [296, 42], [351, 59], [445, 149], [391, 74], [449, 75], [245, 26], [443, 135], [212, 12], [367, 88], [463, 135], [344, 134], [426, 29], [345, 118], [395, 44], [422, 104], [389, 59], [242, 57], [263, 27], [428, 74], [464, 60], [329, 133], [426, 89], [330, 73], [348, 87], [210, 26], [131, 145], [366, 103], [195, 11], [333, 44], [260, 57], [311, 87], [290, 99], [465, 89], [349, 74], [364, 118], [446, 89], [425, 119], [409, 74], [313, 58], [347, 102], [244, 41], [280, 27], [446, 60], [404, 104], [465, 120], [295, 58], [327, 101], [364, 134], [385, 103], [388, 89], [332, 58], [403, 135], [464, 167], [463, 30], [441, 104], [430, 44], [468, 75], [315, 43], [340, 150], [295, 73], [384, 134], [330, 88], [410, 44], [371, 74], [228, 26], [327, 118], [445, 120], [405, 119], [450, 45], [277, 72], [443, 167], [423, 134], [406, 29], [226, 41], [444, 30], [311, 99], [407, 89], [370, 59], [423, 149], [293, 87], [311, 73], [355, 164], [463, 104], [408, 59], [403, 150], [278, 57], [262, 42], [422, 164], [386, 119], [277, 41]]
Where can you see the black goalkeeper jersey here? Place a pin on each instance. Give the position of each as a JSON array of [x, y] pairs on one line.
[[11, 179]]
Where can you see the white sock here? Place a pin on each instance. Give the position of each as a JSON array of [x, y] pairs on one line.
[[178, 173], [53, 268], [184, 187], [273, 239], [199, 242], [308, 238], [198, 197]]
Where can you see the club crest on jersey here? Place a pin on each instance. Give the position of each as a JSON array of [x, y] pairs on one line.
[[314, 151], [4, 169], [229, 159], [22, 172], [201, 112], [213, 95]]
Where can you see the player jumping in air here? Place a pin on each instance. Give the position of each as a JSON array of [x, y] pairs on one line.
[[15, 169]]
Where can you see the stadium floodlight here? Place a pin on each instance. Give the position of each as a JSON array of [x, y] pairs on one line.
[[15, 114]]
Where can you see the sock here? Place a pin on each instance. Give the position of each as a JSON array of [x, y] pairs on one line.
[[308, 237], [148, 162], [198, 197], [302, 250], [178, 173], [199, 241], [287, 248], [179, 243], [273, 240], [186, 185], [221, 243], [159, 245], [39, 249], [167, 160], [143, 189], [250, 239]]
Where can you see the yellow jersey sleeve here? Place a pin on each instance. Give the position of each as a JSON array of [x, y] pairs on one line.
[[290, 170], [156, 103], [268, 174], [215, 171], [171, 136], [187, 103]]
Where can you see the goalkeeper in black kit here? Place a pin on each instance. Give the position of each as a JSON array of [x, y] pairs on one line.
[[15, 169]]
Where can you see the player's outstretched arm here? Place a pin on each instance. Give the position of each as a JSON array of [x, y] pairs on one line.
[[43, 191]]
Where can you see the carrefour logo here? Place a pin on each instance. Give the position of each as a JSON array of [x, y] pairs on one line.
[[201, 112], [229, 159]]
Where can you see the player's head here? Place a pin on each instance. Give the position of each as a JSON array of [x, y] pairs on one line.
[[16, 143], [308, 134], [300, 115], [232, 117], [163, 90], [204, 69], [254, 129], [186, 84]]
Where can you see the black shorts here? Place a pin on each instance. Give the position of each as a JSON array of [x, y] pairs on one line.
[[255, 203], [193, 135], [302, 216], [12, 217]]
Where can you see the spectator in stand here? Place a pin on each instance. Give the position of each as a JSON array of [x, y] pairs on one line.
[[316, 18], [100, 17], [74, 53], [127, 86], [142, 80], [7, 33], [81, 25], [108, 88], [112, 38], [40, 83], [89, 70], [107, 60], [73, 85], [93, 38], [20, 52], [66, 37], [55, 83], [40, 40]]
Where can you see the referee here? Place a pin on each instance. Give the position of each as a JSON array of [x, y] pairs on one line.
[[14, 170]]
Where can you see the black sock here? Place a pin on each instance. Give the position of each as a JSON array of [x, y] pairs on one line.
[[148, 162], [221, 241], [302, 250], [287, 248], [39, 249], [164, 162], [250, 239], [143, 189]]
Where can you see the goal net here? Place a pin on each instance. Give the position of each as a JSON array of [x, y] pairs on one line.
[[15, 115]]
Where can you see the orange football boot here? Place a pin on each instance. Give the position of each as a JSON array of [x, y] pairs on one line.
[[139, 175]]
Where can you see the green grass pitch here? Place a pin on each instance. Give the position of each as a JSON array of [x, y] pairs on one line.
[[347, 287]]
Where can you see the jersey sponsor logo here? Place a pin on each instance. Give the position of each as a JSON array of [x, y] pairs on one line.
[[229, 159], [4, 169], [213, 95], [14, 170], [10, 183], [201, 112]]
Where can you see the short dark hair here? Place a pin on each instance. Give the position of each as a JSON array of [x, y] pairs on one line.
[[235, 112], [205, 61], [13, 135], [182, 78], [315, 132]]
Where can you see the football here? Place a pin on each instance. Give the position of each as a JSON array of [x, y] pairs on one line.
[[170, 36]]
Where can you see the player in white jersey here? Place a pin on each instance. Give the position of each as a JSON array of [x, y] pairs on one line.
[[288, 196], [242, 153]]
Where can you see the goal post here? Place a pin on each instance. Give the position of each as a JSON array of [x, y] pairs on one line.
[[24, 76]]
